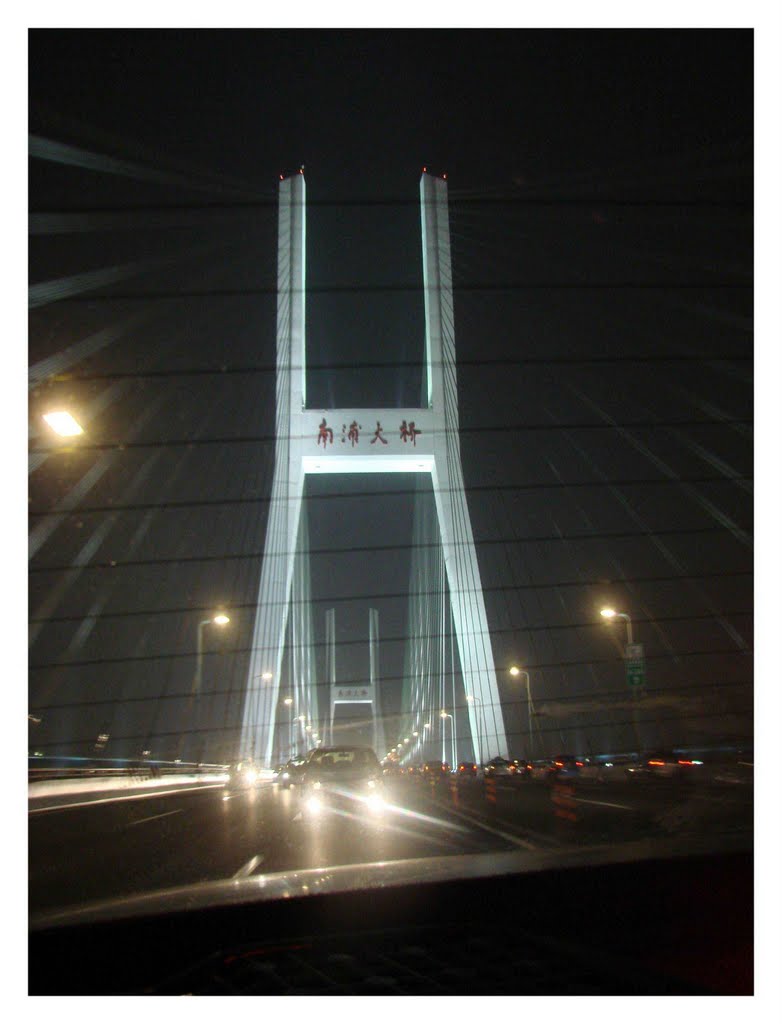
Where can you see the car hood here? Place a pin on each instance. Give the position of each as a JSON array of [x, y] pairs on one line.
[[377, 875]]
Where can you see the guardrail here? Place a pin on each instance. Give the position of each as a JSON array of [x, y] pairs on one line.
[[47, 769]]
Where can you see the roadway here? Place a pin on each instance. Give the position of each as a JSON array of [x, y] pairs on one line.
[[84, 849]]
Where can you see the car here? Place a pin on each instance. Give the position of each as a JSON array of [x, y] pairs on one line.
[[243, 775], [467, 769], [521, 767], [498, 766], [435, 771], [565, 766], [665, 764], [291, 772], [349, 777]]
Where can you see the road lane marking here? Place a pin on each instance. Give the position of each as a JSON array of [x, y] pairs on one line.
[[249, 867], [603, 803], [516, 840], [119, 799], [154, 817]]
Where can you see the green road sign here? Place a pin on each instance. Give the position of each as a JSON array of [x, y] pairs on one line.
[[635, 666]]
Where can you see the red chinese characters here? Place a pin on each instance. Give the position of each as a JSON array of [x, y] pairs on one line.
[[325, 433], [378, 435], [408, 431]]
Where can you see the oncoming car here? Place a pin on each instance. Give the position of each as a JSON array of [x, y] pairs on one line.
[[243, 775], [344, 778]]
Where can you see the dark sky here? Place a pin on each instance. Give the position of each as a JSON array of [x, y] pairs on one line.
[[601, 220]]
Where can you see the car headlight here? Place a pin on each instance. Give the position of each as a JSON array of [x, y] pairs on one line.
[[375, 802], [251, 776], [314, 805], [286, 775], [316, 785], [371, 783]]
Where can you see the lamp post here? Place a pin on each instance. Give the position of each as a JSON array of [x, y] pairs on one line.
[[288, 702], [444, 714], [221, 619], [516, 671], [609, 614], [477, 700]]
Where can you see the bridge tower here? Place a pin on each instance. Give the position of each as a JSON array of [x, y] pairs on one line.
[[413, 440]]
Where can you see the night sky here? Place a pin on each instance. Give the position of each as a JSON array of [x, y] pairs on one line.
[[601, 204]]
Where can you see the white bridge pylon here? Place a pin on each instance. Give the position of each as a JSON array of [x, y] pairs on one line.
[[413, 440]]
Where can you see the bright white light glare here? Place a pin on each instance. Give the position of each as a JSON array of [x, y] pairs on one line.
[[607, 613], [375, 802], [314, 805], [371, 783], [266, 676], [288, 701], [252, 775], [286, 775], [514, 671], [221, 619], [63, 423], [317, 785]]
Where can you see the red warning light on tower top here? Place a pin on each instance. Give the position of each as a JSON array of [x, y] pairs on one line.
[[424, 171], [282, 177]]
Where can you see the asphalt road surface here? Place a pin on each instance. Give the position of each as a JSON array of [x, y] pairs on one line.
[[85, 851]]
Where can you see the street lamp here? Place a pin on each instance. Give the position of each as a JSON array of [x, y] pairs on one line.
[[218, 620], [609, 614], [63, 423], [444, 714], [477, 700], [221, 619], [288, 702], [516, 671]]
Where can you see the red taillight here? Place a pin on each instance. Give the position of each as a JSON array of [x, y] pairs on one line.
[[580, 764], [658, 764], [686, 762], [560, 764]]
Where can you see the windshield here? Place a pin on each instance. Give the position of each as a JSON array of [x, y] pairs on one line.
[[339, 458]]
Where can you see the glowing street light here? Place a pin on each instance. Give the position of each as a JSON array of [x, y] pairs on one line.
[[444, 714], [477, 700], [221, 619], [267, 677], [516, 671], [611, 613], [288, 701], [63, 423]]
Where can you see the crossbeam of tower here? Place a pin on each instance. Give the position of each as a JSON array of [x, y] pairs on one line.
[[357, 441]]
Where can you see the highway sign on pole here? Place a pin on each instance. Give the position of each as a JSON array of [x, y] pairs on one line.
[[635, 666]]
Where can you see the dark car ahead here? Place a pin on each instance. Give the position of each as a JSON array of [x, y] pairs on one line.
[[467, 769], [345, 777], [565, 766], [435, 771], [498, 766], [291, 772]]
